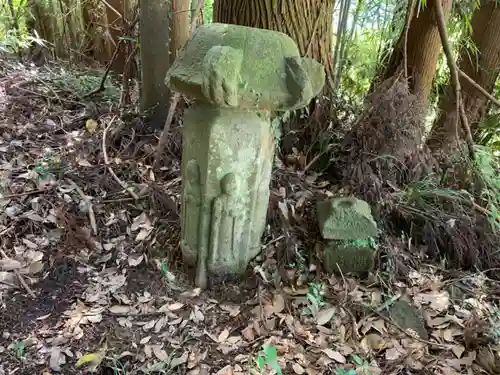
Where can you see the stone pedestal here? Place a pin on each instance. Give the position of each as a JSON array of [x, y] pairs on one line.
[[238, 76]]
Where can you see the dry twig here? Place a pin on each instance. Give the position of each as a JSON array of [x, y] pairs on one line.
[[20, 277], [106, 161], [106, 73], [460, 112], [25, 193], [166, 129], [315, 159], [130, 52], [86, 199], [479, 88]]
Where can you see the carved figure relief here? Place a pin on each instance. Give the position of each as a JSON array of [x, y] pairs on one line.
[[225, 233], [192, 206]]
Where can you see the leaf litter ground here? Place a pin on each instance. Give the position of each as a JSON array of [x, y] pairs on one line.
[[91, 279]]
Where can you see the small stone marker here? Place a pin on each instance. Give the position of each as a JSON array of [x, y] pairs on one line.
[[350, 259], [343, 221], [408, 317], [238, 75], [346, 219]]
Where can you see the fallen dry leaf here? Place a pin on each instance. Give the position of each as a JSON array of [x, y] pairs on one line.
[[392, 354], [223, 335], [57, 358], [135, 260], [119, 309], [458, 350], [298, 369], [438, 301], [373, 341], [335, 355], [324, 316], [278, 303], [8, 264], [145, 340], [159, 352], [171, 307]]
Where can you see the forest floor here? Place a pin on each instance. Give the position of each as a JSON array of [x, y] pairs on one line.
[[90, 277]]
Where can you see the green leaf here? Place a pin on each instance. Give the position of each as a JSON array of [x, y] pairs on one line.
[[276, 367], [19, 348], [261, 362], [128, 38], [164, 268], [357, 360], [93, 359], [270, 352]]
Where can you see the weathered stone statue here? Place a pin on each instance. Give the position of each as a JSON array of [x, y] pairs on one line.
[[226, 223], [238, 76], [192, 197]]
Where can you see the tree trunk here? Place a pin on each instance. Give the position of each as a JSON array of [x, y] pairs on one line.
[[308, 22], [423, 48], [44, 20], [154, 17], [115, 32], [180, 26], [482, 66]]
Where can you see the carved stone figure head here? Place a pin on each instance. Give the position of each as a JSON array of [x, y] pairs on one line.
[[228, 184], [192, 171]]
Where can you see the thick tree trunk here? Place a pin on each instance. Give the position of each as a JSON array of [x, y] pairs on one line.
[[424, 45], [308, 22], [155, 61], [179, 26], [482, 66]]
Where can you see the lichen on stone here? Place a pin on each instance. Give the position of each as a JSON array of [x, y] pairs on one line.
[[346, 219], [348, 259]]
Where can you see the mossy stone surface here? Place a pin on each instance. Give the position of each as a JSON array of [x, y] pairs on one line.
[[409, 317], [244, 67], [350, 259], [238, 75], [346, 219]]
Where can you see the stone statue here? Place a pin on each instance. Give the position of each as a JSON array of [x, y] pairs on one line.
[[239, 76], [226, 222], [190, 210]]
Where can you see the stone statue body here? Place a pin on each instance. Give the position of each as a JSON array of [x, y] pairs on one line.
[[226, 223], [234, 187], [238, 75], [190, 210]]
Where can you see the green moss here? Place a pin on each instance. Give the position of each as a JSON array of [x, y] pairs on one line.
[[346, 219], [350, 259]]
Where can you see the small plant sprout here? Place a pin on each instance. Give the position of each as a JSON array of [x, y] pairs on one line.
[[362, 366], [267, 357], [19, 348], [315, 299]]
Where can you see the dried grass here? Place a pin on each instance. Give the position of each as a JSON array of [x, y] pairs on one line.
[[386, 163]]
